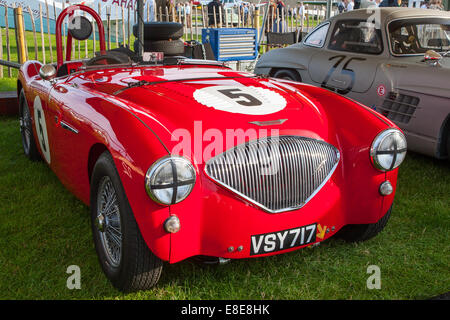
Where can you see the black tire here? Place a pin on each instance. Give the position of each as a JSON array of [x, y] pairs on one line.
[[161, 30], [26, 129], [135, 267], [170, 48], [287, 74], [363, 232]]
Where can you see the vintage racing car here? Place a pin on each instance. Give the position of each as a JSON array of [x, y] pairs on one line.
[[394, 60], [180, 158]]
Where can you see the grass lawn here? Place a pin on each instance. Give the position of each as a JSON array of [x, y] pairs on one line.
[[8, 84], [44, 229]]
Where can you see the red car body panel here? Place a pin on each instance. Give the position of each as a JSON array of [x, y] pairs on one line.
[[140, 125]]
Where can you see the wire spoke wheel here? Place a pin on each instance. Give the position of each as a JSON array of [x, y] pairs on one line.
[[108, 221], [25, 128]]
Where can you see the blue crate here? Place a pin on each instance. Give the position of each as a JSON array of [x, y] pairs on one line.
[[232, 44]]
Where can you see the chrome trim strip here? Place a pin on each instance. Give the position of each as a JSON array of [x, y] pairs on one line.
[[66, 126]]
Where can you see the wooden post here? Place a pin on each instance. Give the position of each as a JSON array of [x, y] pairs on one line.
[[307, 22], [129, 31], [48, 32], [33, 26], [215, 18], [116, 10], [191, 27], [239, 17], [123, 25], [42, 33], [203, 18], [256, 24], [8, 45], [85, 43], [225, 13], [20, 36], [220, 18], [64, 30], [273, 19], [185, 24], [196, 24]]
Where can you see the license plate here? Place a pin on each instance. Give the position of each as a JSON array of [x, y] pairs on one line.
[[281, 240]]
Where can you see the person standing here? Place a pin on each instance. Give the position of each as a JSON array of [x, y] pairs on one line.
[[187, 9], [436, 5], [350, 5], [216, 6], [341, 6], [388, 3]]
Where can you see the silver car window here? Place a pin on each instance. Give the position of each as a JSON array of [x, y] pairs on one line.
[[317, 37], [358, 36], [416, 36]]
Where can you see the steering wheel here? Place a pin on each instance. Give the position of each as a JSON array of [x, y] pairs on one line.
[[109, 58]]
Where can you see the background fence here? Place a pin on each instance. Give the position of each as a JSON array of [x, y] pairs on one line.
[[39, 27]]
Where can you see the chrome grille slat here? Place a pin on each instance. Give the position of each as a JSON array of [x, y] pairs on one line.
[[277, 174]]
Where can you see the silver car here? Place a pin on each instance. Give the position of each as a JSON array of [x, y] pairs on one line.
[[394, 60]]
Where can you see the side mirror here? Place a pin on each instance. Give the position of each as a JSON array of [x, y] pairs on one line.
[[47, 71], [432, 56]]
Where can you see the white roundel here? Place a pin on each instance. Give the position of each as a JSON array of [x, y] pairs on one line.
[[41, 128], [245, 100]]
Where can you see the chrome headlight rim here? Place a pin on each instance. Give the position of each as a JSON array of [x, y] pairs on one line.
[[175, 184], [374, 152]]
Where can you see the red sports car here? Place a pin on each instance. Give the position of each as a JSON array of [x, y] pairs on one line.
[[180, 158]]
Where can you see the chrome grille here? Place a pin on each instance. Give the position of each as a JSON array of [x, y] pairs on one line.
[[277, 173], [399, 107]]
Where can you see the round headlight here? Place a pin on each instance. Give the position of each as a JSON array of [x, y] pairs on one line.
[[388, 149], [170, 180]]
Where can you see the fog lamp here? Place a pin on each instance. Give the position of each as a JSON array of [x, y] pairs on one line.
[[172, 224], [386, 188]]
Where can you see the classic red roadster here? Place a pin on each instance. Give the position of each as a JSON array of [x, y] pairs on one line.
[[180, 158]]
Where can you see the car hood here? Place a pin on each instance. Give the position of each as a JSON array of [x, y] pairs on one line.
[[207, 103]]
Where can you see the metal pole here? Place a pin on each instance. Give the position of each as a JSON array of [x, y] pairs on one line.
[[140, 31], [328, 12]]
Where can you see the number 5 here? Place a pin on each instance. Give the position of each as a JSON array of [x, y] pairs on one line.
[[250, 102]]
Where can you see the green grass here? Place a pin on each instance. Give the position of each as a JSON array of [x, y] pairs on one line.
[[8, 84], [44, 229]]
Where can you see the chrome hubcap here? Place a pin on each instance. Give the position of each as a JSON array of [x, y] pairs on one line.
[[100, 223], [108, 221]]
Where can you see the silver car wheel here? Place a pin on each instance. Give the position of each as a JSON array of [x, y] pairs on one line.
[[25, 128], [108, 221]]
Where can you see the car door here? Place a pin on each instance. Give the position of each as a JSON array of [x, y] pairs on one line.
[[348, 61], [67, 140]]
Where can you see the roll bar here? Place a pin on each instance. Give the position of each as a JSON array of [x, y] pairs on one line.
[[69, 11]]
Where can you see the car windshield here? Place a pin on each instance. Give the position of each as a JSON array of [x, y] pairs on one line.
[[416, 36]]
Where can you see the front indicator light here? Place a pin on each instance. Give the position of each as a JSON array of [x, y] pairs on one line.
[[388, 150]]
